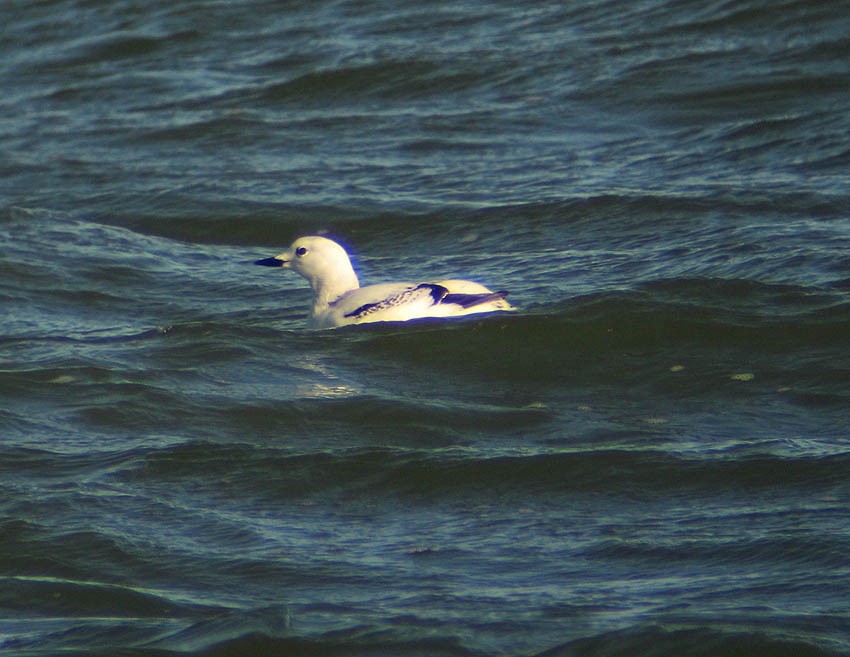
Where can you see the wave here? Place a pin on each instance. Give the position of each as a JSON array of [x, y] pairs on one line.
[[685, 339], [428, 473], [250, 635], [658, 641], [705, 324]]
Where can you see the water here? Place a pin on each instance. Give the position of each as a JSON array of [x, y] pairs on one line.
[[650, 458]]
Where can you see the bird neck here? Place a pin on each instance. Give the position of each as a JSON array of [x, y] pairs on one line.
[[327, 290]]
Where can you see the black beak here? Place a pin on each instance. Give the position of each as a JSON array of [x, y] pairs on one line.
[[269, 262]]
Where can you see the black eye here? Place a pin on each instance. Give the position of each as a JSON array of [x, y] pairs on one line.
[[301, 250]]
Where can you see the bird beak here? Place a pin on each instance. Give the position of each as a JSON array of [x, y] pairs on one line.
[[277, 261]]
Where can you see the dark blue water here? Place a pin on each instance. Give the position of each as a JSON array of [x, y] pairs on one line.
[[650, 458]]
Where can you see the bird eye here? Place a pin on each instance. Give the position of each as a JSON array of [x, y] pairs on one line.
[[300, 251]]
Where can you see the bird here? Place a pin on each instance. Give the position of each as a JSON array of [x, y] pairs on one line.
[[338, 299]]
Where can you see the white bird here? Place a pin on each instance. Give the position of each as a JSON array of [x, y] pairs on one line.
[[338, 299]]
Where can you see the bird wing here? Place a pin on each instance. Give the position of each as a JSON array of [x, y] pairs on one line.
[[411, 301], [399, 302]]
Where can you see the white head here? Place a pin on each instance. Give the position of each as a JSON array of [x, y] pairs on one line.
[[323, 262]]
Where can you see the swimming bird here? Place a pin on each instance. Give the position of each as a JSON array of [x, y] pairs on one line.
[[338, 299]]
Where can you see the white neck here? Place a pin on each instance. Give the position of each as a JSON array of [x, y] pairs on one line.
[[327, 290]]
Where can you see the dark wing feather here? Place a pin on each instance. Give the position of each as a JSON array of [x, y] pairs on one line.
[[438, 293]]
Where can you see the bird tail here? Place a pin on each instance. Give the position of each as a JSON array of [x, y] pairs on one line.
[[470, 300]]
